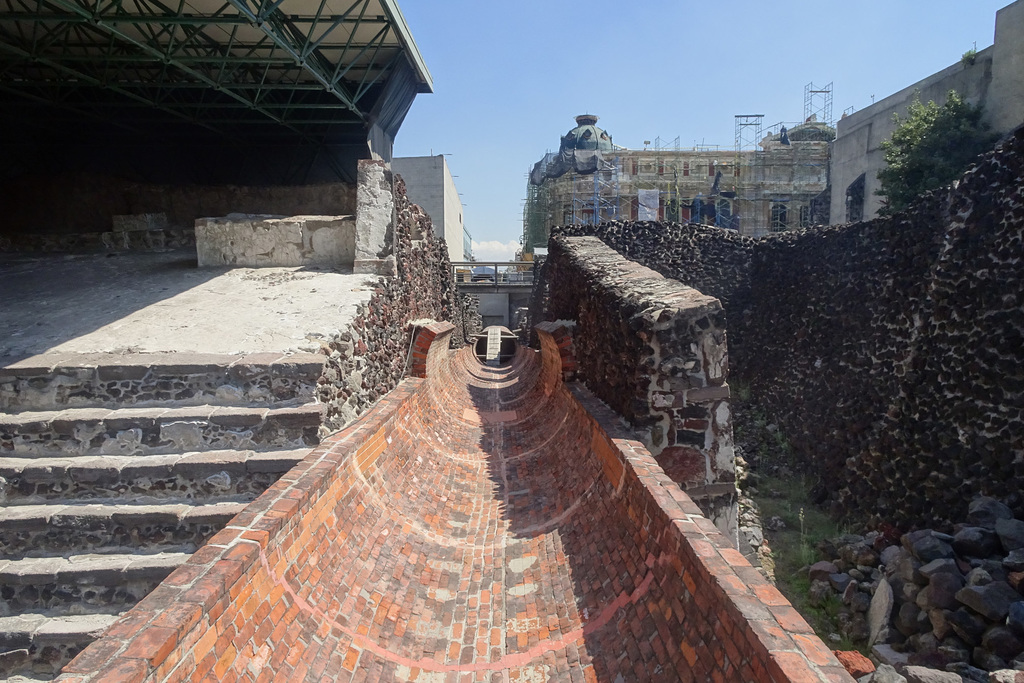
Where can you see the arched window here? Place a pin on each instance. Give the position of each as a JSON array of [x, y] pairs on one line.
[[723, 214], [855, 200], [779, 220]]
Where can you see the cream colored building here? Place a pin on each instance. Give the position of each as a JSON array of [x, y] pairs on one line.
[[779, 186]]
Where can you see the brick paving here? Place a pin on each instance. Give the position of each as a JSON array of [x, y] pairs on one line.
[[478, 525]]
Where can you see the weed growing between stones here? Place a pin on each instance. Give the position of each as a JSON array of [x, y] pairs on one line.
[[780, 524], [793, 528]]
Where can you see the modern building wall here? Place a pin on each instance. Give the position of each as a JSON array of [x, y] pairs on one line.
[[994, 80], [429, 183], [1006, 106]]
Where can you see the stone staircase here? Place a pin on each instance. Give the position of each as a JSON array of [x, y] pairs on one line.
[[116, 468]]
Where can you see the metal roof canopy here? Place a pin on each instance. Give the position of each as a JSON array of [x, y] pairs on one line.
[[273, 70]]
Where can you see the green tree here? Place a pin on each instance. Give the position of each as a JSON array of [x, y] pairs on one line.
[[931, 146]]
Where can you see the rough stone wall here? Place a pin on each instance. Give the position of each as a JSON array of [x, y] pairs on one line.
[[714, 261], [258, 241], [954, 426], [368, 360], [829, 334], [890, 352], [86, 203], [655, 352], [108, 241]]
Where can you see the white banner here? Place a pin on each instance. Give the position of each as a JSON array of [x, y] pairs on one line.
[[647, 205]]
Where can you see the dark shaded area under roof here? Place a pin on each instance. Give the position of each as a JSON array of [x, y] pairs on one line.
[[204, 91]]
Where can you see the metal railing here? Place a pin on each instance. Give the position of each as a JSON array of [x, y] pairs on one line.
[[493, 272]]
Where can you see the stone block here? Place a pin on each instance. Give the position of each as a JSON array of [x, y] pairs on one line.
[[24, 517], [263, 241], [102, 570], [375, 211], [205, 463], [992, 601], [236, 418], [122, 371], [384, 266], [76, 629]]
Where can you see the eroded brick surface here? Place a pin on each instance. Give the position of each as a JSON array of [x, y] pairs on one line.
[[480, 524]]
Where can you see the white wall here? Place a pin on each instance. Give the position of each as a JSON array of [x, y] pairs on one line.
[[1006, 111], [429, 183], [493, 308]]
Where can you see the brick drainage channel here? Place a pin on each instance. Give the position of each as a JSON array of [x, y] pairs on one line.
[[482, 524]]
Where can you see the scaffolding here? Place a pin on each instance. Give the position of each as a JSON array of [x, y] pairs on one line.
[[748, 131], [818, 103], [598, 200], [765, 186], [660, 144], [536, 217]]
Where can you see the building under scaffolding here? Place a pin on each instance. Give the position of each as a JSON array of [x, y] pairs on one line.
[[774, 179]]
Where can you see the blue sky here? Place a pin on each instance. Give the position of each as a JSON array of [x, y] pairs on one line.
[[509, 77]]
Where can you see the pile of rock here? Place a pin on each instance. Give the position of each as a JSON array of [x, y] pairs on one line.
[[930, 599]]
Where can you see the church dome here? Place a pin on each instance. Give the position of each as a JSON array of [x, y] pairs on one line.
[[587, 136]]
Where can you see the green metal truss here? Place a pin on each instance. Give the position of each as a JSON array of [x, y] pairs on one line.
[[308, 67]]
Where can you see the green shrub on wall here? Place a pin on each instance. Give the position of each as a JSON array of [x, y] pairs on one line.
[[931, 146]]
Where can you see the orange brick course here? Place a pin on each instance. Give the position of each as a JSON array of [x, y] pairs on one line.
[[479, 524]]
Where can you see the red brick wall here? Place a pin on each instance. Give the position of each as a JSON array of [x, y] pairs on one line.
[[738, 626], [275, 595]]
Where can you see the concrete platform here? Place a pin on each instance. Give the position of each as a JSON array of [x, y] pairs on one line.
[[130, 303]]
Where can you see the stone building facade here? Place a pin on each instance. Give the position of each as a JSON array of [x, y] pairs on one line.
[[777, 187]]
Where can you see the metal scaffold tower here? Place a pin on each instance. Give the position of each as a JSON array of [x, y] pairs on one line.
[[599, 201], [818, 103], [748, 131], [660, 144], [536, 214]]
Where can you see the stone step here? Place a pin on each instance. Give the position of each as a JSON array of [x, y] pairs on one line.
[[87, 583], [37, 645], [26, 678], [56, 529], [196, 474], [57, 381], [90, 569], [151, 431]]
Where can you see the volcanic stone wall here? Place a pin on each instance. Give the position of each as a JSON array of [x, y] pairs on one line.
[[890, 352], [713, 261], [655, 352], [370, 358]]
